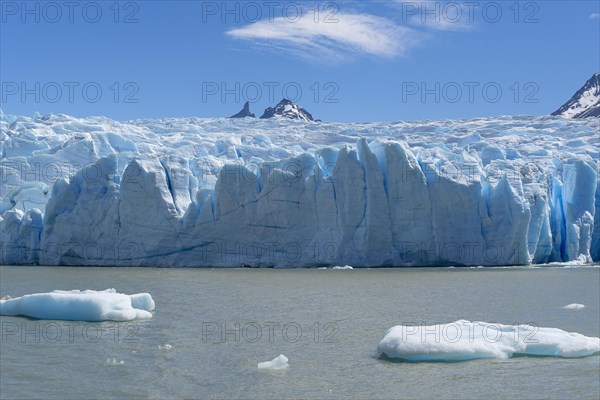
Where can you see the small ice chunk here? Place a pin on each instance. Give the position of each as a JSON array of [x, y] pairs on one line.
[[343, 267], [166, 346], [574, 306], [113, 361], [279, 362]]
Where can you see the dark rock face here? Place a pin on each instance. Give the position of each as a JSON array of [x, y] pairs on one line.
[[585, 102], [287, 109], [245, 112]]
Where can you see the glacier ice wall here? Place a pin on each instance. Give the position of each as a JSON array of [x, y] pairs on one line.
[[386, 201]]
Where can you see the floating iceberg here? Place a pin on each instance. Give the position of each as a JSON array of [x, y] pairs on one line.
[[76, 305], [574, 306], [465, 340], [233, 193], [279, 362], [114, 361]]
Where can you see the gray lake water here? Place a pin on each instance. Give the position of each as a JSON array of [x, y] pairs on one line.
[[211, 328]]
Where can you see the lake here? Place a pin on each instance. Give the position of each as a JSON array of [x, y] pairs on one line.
[[212, 326]]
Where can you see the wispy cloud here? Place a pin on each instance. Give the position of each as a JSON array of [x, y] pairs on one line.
[[595, 16], [353, 34]]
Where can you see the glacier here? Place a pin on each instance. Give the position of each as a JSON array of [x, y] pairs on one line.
[[465, 340], [217, 192], [80, 305]]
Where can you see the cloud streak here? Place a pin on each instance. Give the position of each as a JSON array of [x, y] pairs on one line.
[[352, 34]]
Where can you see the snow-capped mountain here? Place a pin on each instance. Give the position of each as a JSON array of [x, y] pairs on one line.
[[585, 103], [245, 112], [287, 109]]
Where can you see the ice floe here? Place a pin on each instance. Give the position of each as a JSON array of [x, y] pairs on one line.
[[80, 305], [465, 340]]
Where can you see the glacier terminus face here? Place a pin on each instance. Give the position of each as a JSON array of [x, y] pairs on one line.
[[278, 193]]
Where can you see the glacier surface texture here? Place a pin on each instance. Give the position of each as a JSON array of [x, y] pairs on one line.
[[278, 193]]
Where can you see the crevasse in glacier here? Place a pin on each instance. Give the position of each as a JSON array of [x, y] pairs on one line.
[[367, 200]]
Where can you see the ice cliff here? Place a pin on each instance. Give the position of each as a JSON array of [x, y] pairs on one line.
[[189, 192]]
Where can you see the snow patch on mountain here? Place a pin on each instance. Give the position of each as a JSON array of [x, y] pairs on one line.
[[287, 109], [585, 102]]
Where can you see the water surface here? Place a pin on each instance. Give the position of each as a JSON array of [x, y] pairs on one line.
[[211, 328]]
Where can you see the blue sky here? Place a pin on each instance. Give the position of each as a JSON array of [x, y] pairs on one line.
[[348, 61]]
